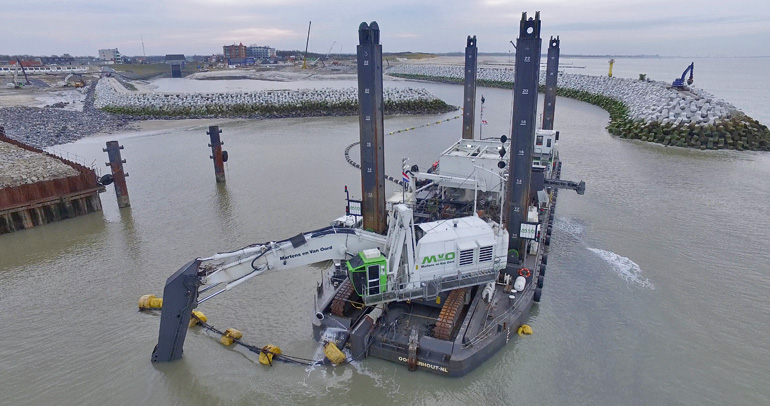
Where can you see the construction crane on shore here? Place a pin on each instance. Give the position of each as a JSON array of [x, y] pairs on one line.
[[330, 50], [304, 60], [18, 61]]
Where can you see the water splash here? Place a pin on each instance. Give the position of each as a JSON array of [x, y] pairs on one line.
[[338, 378], [624, 267], [330, 334], [570, 226]]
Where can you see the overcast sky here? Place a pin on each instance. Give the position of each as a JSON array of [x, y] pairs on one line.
[[620, 27]]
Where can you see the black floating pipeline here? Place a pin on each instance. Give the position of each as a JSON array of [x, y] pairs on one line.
[[390, 178], [277, 356], [424, 125]]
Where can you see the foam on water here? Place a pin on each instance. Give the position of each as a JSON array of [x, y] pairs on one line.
[[624, 267], [333, 375], [378, 380], [570, 226]]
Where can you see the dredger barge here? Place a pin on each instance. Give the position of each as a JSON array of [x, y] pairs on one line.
[[441, 275]]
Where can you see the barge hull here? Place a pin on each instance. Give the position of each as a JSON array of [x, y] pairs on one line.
[[34, 204]]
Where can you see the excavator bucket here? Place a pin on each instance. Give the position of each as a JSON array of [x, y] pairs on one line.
[[180, 297]]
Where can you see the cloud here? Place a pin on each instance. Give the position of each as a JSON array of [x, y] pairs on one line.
[[246, 3], [261, 35], [203, 26]]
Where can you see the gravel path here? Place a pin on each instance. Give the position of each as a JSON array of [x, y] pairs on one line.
[[46, 126]]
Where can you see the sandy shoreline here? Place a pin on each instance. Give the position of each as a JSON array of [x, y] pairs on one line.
[[40, 97], [152, 127], [279, 75]]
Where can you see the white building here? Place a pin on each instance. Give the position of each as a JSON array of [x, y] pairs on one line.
[[260, 52], [110, 56]]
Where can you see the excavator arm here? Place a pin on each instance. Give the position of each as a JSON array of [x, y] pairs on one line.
[[190, 285], [330, 243], [679, 82], [692, 71]]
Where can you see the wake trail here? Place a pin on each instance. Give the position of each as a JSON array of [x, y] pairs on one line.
[[624, 267]]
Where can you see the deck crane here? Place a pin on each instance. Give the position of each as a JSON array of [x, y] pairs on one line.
[[679, 82]]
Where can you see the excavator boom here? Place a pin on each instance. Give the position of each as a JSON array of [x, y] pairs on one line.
[[679, 82], [229, 269], [330, 243]]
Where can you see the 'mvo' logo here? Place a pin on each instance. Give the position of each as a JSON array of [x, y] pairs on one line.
[[438, 258]]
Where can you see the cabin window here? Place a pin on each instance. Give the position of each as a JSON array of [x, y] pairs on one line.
[[539, 140], [548, 142], [374, 279], [418, 234], [485, 254], [356, 262], [466, 257]]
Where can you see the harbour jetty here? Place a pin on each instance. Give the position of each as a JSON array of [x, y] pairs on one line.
[[38, 188], [639, 109], [259, 104]]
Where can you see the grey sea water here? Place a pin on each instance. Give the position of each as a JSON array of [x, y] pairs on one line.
[[656, 291]]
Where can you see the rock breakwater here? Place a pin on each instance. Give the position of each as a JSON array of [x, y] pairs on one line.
[[645, 110], [261, 104]]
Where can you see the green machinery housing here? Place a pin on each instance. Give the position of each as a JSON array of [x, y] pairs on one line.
[[368, 272]]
